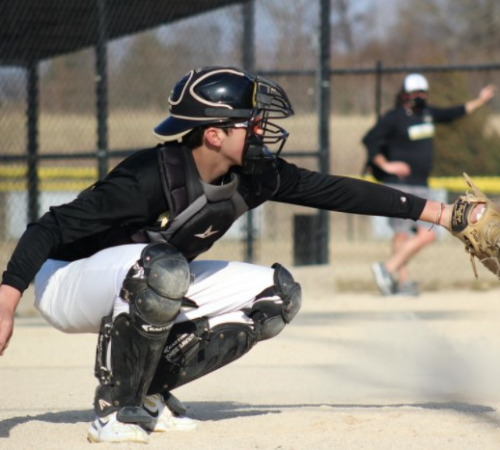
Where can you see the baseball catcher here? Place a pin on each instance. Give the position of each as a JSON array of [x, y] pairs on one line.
[[476, 222], [120, 260]]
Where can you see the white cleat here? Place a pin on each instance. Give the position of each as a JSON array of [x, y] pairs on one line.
[[163, 419], [110, 429]]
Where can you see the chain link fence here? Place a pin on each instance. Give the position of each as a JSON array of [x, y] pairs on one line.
[[142, 68]]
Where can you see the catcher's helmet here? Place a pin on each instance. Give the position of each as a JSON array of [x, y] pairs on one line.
[[226, 96]]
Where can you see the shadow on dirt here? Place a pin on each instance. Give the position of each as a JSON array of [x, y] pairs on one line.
[[216, 411]]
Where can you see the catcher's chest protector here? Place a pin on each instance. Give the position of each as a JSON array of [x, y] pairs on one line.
[[199, 213]]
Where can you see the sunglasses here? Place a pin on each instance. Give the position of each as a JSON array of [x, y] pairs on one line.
[[239, 125], [256, 123]]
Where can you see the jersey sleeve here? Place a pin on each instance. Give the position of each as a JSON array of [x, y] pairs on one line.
[[117, 200], [443, 115], [303, 187]]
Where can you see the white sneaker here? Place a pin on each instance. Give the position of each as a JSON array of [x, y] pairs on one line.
[[110, 429], [162, 418], [383, 279]]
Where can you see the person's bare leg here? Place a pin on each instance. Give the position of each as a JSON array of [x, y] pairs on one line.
[[398, 242], [421, 239]]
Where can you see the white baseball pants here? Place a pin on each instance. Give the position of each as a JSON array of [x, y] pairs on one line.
[[74, 296]]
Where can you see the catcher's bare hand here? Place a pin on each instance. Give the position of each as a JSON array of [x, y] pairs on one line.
[[475, 220], [9, 298]]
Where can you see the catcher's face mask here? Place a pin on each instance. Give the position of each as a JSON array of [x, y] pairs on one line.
[[264, 138], [264, 141]]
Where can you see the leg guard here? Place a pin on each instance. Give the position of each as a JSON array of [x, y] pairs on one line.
[[196, 348], [276, 306], [154, 287]]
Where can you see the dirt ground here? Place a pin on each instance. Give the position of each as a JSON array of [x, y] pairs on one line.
[[352, 371]]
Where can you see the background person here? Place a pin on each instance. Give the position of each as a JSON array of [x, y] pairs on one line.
[[400, 154]]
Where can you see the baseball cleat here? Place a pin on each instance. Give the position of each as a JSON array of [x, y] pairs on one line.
[[110, 429], [384, 279], [162, 419]]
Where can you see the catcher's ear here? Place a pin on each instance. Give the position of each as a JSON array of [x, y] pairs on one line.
[[214, 136]]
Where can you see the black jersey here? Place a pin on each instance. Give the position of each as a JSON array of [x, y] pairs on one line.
[[402, 135], [132, 197]]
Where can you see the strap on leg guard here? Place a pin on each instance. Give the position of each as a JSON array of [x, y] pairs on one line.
[[196, 348], [173, 403], [154, 287]]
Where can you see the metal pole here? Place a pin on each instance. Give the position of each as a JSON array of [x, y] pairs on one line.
[[324, 121], [32, 131], [102, 89], [378, 88], [248, 52]]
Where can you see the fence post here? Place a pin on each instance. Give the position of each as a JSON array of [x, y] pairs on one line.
[[324, 120], [32, 157], [378, 88], [248, 52], [102, 88]]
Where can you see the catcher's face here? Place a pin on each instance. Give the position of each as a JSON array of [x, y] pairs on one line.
[[247, 143], [233, 144], [263, 143]]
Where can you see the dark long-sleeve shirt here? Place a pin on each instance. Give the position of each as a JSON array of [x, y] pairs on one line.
[[408, 137], [131, 197]]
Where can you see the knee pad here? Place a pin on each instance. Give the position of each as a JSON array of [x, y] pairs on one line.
[[276, 306], [155, 287]]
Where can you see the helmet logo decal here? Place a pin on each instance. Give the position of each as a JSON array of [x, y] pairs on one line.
[[208, 75], [171, 101]]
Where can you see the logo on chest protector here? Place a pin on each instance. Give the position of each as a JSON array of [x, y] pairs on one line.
[[209, 232]]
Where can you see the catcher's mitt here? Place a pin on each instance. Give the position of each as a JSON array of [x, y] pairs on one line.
[[482, 238]]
